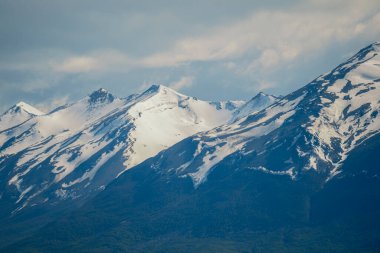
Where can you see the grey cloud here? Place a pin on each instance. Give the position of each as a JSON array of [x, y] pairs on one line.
[[225, 49]]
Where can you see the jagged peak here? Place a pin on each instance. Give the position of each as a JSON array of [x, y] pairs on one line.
[[101, 96], [99, 91]]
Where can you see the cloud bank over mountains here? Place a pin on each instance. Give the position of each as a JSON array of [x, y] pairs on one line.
[[194, 47]]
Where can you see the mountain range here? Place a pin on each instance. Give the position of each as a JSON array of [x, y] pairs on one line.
[[163, 172]]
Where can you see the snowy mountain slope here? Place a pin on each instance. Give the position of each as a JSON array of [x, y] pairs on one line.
[[311, 130], [255, 104], [297, 172], [17, 114], [168, 117], [59, 123], [77, 149]]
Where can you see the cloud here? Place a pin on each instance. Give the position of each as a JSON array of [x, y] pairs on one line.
[[184, 82], [78, 65], [229, 50], [194, 49], [100, 60], [265, 39], [52, 104], [273, 37]]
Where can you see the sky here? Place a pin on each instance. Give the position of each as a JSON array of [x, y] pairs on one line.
[[55, 52]]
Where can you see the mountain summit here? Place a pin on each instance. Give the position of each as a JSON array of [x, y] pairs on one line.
[[22, 106], [161, 171], [101, 96], [255, 104], [74, 151], [283, 178], [18, 114], [311, 130]]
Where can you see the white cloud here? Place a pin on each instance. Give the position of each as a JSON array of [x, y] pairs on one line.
[[269, 58], [47, 106], [78, 64], [277, 36], [185, 81], [268, 38], [102, 60], [254, 51]]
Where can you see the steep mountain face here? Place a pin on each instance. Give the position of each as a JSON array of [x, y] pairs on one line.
[[76, 150], [284, 179], [17, 114], [309, 131]]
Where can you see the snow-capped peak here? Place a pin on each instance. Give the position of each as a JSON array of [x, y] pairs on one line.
[[162, 117], [18, 114], [312, 129], [155, 89], [261, 95], [101, 96], [71, 147], [26, 108], [255, 104]]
